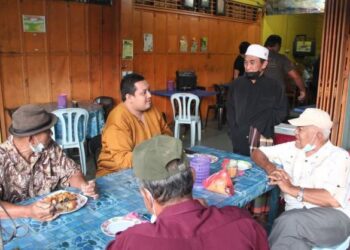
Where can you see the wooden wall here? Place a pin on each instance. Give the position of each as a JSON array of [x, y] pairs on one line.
[[214, 66], [77, 55], [333, 90]]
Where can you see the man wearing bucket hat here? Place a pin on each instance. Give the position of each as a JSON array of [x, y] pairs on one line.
[[179, 221], [32, 164], [255, 103], [315, 181]]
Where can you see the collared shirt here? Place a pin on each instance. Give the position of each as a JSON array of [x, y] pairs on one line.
[[122, 132], [328, 168], [45, 172], [189, 225]]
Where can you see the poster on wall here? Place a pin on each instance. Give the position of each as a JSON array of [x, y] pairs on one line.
[[128, 49], [278, 7], [220, 7], [194, 45], [183, 44], [147, 42], [34, 24], [204, 44]]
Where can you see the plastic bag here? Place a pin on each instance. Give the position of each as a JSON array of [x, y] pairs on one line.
[[219, 182]]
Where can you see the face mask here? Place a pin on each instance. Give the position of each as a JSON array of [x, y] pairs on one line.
[[37, 148], [252, 75], [309, 147], [154, 216]]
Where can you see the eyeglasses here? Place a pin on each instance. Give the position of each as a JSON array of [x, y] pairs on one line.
[[17, 232]]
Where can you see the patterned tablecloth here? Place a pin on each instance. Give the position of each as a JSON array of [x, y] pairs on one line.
[[95, 121], [119, 195]]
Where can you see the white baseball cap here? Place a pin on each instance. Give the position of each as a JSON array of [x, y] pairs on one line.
[[315, 117], [258, 51]]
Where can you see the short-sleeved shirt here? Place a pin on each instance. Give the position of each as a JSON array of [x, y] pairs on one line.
[[328, 168], [45, 172], [278, 67], [189, 225], [239, 65], [122, 132]]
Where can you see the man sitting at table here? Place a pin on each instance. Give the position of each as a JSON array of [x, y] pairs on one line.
[[179, 221], [32, 164], [315, 181], [129, 124]]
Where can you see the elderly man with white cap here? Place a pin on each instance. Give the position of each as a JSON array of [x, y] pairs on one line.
[[255, 103], [315, 181]]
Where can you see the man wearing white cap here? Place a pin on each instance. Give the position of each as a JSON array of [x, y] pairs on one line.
[[255, 103], [315, 181]]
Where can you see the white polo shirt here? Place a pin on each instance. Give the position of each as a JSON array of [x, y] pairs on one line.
[[328, 168]]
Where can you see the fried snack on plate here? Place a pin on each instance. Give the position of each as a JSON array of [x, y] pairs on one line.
[[63, 201]]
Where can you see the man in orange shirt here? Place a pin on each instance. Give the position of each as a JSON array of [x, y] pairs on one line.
[[130, 123]]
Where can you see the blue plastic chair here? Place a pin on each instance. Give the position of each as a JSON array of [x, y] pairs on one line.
[[343, 246], [72, 123], [186, 111]]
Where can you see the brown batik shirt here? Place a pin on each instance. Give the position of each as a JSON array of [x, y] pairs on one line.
[[45, 172]]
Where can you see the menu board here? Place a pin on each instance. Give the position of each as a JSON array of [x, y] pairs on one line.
[[106, 2]]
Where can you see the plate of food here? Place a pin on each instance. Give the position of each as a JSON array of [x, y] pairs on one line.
[[66, 202], [243, 165], [212, 158], [118, 224]]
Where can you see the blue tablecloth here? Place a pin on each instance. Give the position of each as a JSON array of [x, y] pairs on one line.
[[198, 92], [119, 195], [95, 121]]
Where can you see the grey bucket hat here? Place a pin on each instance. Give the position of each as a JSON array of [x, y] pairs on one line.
[[31, 119]]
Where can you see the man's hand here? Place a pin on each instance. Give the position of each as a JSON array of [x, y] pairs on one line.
[[282, 179], [90, 189], [42, 211], [302, 96]]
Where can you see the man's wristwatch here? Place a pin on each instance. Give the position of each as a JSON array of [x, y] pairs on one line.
[[300, 196]]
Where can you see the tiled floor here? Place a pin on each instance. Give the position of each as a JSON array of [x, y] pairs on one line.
[[211, 137]]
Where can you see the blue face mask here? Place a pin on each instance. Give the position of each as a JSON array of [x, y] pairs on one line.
[[154, 216], [310, 146], [38, 148]]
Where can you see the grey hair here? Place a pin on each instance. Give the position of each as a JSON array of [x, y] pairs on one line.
[[324, 132], [172, 188]]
